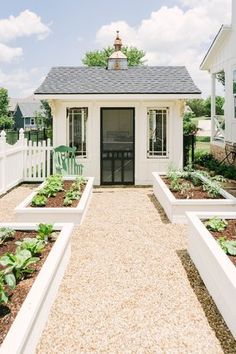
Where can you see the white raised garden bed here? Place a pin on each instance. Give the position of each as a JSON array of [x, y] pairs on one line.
[[25, 213], [214, 266], [175, 208], [28, 325]]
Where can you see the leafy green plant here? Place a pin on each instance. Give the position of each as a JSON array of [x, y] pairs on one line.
[[17, 265], [53, 185], [3, 293], [44, 232], [78, 184], [6, 233], [208, 161], [70, 196], [212, 188], [228, 246], [39, 200], [186, 187], [34, 245], [175, 185], [216, 224]]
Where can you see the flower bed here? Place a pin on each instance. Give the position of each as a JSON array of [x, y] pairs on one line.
[[180, 194], [213, 252], [32, 263], [57, 200]]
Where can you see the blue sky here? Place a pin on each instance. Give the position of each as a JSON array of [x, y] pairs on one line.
[[164, 29]]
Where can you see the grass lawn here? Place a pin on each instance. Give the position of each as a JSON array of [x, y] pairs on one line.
[[204, 146]]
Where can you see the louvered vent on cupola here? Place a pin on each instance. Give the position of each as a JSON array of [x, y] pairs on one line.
[[118, 60]]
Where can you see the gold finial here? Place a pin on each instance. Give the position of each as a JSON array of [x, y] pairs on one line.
[[118, 42]]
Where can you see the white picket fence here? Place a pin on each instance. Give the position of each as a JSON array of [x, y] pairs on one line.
[[23, 162]]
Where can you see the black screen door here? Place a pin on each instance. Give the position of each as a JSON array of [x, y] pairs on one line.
[[117, 146]]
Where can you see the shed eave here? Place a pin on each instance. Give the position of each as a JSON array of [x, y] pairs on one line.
[[118, 96], [221, 35]]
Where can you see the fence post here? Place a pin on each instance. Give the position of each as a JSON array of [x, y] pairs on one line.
[[22, 143], [3, 151]]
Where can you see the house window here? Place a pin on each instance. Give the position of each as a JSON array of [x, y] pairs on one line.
[[157, 132], [234, 91], [77, 129]]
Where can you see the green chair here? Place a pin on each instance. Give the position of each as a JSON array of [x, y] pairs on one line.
[[65, 162]]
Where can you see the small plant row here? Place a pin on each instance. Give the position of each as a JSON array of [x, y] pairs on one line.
[[194, 178], [53, 185], [216, 224], [17, 265]]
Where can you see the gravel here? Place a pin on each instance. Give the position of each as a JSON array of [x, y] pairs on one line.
[[130, 286]]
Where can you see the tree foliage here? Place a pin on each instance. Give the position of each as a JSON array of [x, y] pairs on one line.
[[189, 126], [197, 106], [4, 102], [219, 106], [46, 116], [6, 122], [46, 109], [220, 76], [201, 107], [100, 57]]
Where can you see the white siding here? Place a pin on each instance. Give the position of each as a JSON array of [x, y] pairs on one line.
[[143, 166]]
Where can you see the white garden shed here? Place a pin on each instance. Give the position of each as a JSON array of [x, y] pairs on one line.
[[126, 122]]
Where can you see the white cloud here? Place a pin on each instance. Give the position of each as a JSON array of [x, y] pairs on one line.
[[21, 83], [7, 53], [174, 36], [26, 24]]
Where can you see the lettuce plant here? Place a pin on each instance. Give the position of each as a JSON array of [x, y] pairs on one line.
[[34, 245], [6, 233], [228, 246], [17, 265], [44, 232], [39, 200], [216, 224]]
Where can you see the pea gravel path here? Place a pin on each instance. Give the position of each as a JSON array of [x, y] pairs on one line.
[[130, 286]]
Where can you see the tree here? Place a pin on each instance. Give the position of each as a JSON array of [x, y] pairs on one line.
[[6, 122], [100, 57], [197, 106], [47, 113], [219, 106], [220, 76], [40, 120], [189, 126], [4, 102]]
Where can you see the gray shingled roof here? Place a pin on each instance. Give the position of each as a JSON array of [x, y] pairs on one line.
[[28, 109], [97, 80]]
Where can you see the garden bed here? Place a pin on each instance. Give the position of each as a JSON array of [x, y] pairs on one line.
[[187, 197], [23, 315], [210, 251], [66, 203]]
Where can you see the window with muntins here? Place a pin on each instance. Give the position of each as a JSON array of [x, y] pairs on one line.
[[157, 132], [77, 129]]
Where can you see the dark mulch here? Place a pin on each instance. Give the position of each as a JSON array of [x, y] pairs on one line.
[[17, 296], [229, 233], [193, 193], [57, 201]]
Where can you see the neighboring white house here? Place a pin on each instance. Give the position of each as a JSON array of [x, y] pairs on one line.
[[221, 57], [126, 122]]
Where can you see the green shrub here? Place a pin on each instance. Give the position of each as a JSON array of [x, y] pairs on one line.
[[208, 161]]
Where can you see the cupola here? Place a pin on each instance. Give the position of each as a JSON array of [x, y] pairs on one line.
[[118, 60]]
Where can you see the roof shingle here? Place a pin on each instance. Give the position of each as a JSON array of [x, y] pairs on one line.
[[97, 80]]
